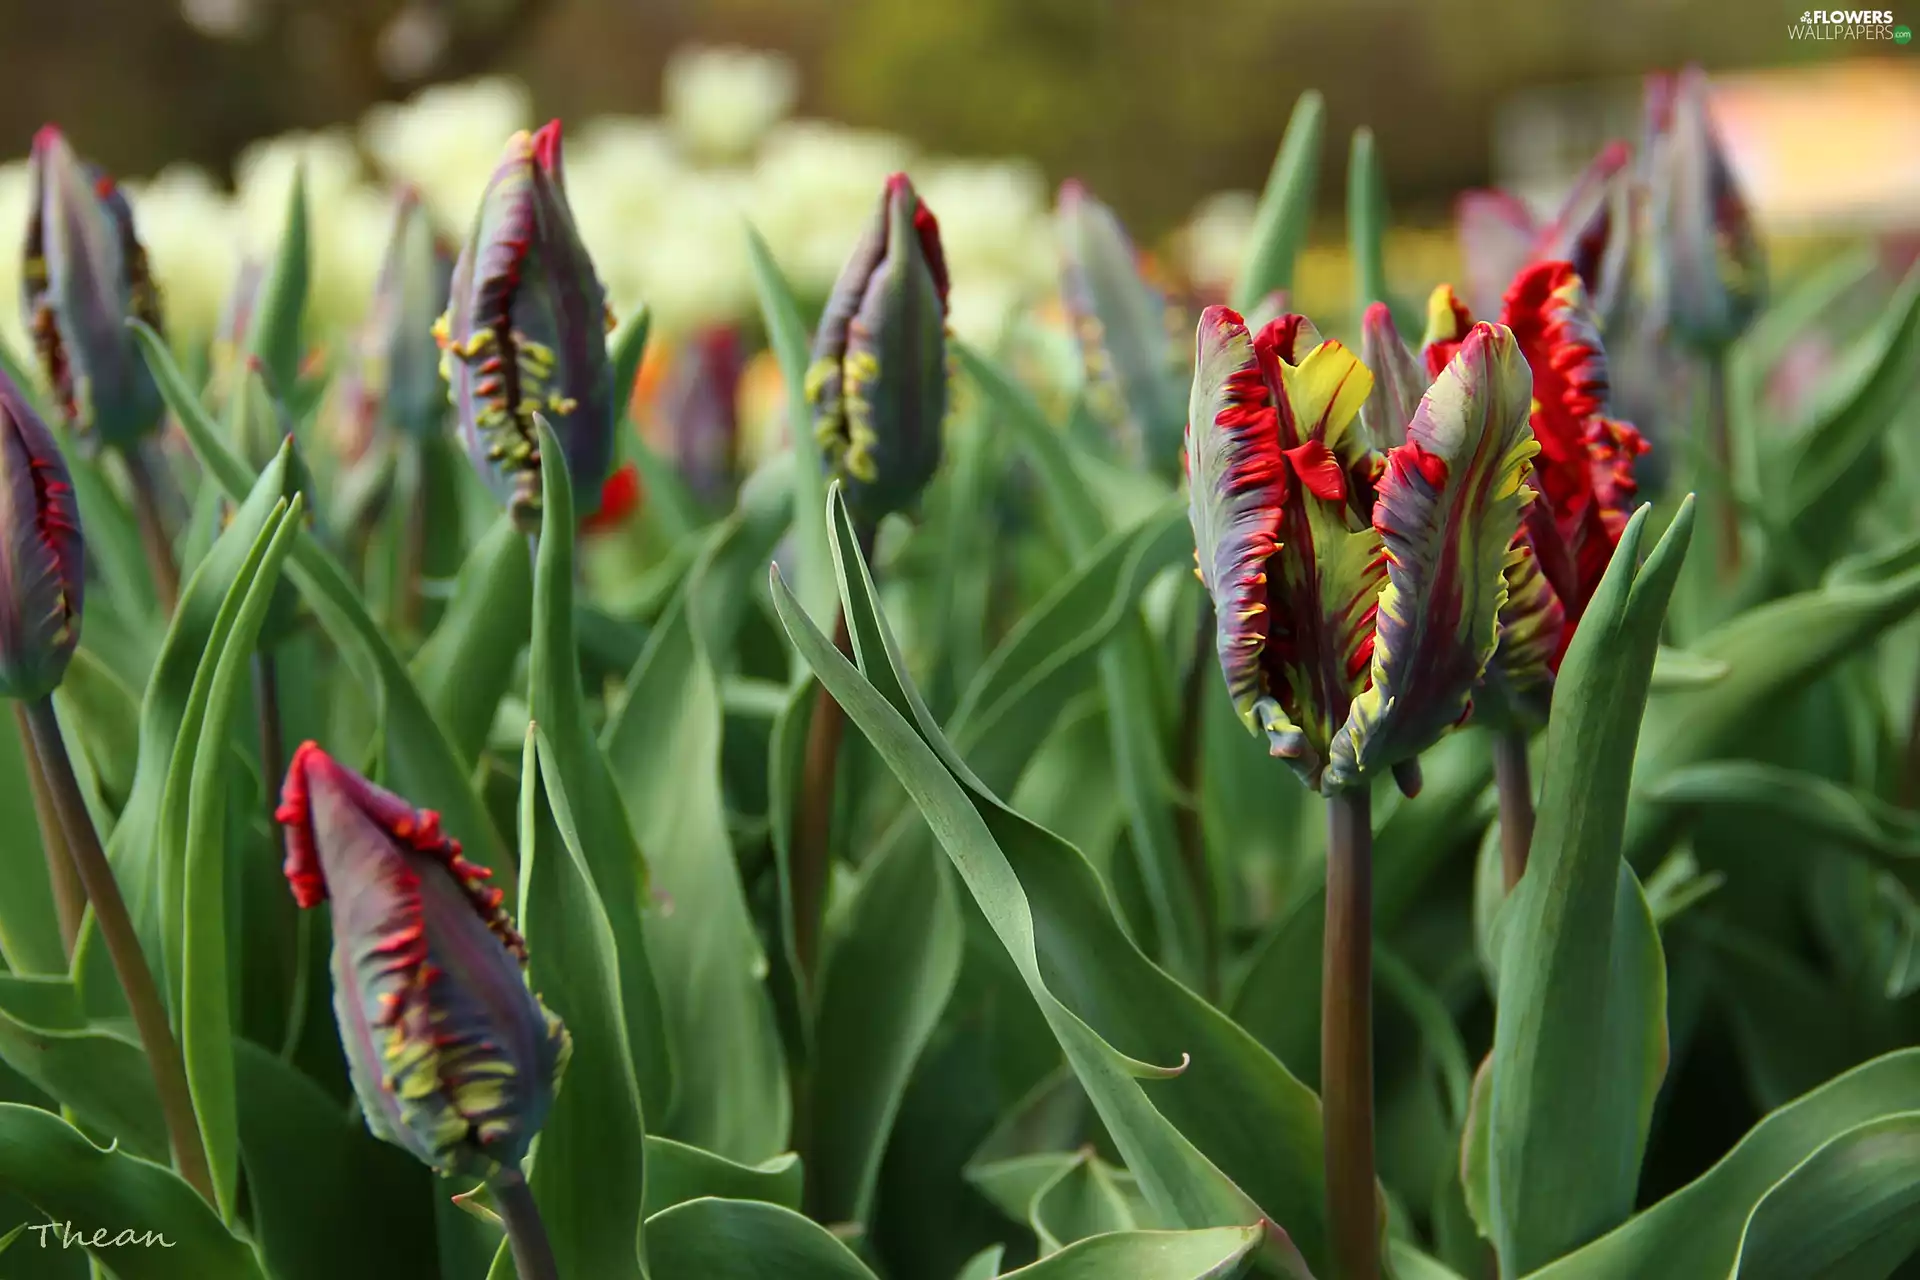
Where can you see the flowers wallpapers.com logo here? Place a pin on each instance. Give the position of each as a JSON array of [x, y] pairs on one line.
[[1849, 24]]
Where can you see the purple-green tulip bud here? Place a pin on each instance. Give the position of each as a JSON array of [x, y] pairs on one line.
[[85, 276], [878, 381], [42, 556], [397, 380], [1706, 259], [524, 334], [452, 1055]]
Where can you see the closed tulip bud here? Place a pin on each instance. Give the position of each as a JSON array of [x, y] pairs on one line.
[[85, 277], [452, 1055], [524, 334], [878, 382], [397, 376], [41, 554], [1707, 267]]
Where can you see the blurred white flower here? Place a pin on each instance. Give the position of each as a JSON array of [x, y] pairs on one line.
[[981, 307], [446, 140], [690, 266], [1217, 237], [722, 101], [192, 233], [15, 195], [815, 187], [999, 244], [623, 175], [263, 176], [347, 220]]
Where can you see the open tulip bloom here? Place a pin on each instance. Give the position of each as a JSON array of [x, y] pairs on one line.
[[1357, 576]]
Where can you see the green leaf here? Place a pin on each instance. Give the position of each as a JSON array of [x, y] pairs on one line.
[[1217, 1254], [663, 744], [274, 334], [29, 931], [677, 1173], [168, 722], [422, 764], [747, 1240], [467, 664], [1052, 453], [206, 1012], [1082, 1200], [1233, 1115], [48, 1162], [589, 1167], [607, 840], [1286, 206], [1832, 814], [96, 1068], [329, 1200], [1367, 222], [1770, 652], [1408, 1263], [887, 979], [1047, 658], [984, 1265], [103, 714], [787, 336], [1834, 1168], [1679, 669], [1579, 1045]]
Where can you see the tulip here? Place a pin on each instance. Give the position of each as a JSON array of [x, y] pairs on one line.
[[452, 1055], [397, 374], [42, 557], [42, 576], [1705, 263], [1586, 483], [1120, 322], [85, 277], [1705, 257], [1356, 593], [878, 381], [524, 334]]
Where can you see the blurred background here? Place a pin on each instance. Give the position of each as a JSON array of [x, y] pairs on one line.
[[685, 115]]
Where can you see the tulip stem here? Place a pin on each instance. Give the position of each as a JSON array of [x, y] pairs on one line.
[[1193, 844], [813, 824], [526, 1233], [1720, 440], [153, 528], [266, 702], [1346, 1038], [69, 898], [1513, 781], [123, 947]]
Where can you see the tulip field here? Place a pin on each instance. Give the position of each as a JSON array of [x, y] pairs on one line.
[[1153, 786]]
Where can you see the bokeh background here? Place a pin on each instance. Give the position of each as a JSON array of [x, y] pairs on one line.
[[686, 117]]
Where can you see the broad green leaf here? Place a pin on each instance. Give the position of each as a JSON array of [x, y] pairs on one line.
[[1015, 1182], [1127, 677], [1770, 652], [787, 336], [174, 819], [97, 1068], [984, 1265], [1580, 1042], [468, 662], [663, 745], [1679, 669], [1367, 222], [47, 1161], [1044, 660], [29, 933], [1217, 1254], [886, 981], [558, 704], [1408, 1263], [103, 715], [274, 335], [206, 1012], [1828, 1165], [1862, 824], [422, 765], [1126, 1027], [329, 1199], [1083, 1200], [135, 847], [1840, 456], [677, 1173], [1286, 206], [746, 1240], [589, 1167]]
